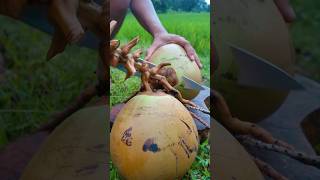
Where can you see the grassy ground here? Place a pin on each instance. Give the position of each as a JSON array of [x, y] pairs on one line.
[[306, 37], [194, 27], [34, 88]]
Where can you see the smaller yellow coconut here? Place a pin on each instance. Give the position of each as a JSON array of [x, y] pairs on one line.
[[176, 55], [153, 137]]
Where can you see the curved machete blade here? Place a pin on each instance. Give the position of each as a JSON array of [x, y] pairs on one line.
[[258, 72]]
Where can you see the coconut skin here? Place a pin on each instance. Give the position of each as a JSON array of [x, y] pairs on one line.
[[176, 55], [153, 137]]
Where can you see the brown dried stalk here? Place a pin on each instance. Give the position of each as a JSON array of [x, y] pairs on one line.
[[93, 17], [87, 94], [72, 18], [64, 15], [123, 56], [161, 77], [58, 44], [68, 29], [154, 79], [300, 156]]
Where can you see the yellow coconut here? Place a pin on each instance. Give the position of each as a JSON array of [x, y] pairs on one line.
[[179, 60], [258, 27], [153, 137]]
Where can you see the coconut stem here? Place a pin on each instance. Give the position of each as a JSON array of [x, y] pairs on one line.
[[64, 15], [72, 18]]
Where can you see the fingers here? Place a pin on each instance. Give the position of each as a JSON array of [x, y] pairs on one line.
[[286, 10], [127, 48], [191, 53], [170, 38], [151, 50]]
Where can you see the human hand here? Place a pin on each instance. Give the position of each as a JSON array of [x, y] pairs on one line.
[[286, 10], [166, 38]]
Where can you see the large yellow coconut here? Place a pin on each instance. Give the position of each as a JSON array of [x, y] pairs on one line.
[[75, 150], [258, 27], [176, 55], [153, 137]]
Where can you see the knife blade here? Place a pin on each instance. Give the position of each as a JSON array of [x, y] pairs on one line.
[[255, 71], [151, 65]]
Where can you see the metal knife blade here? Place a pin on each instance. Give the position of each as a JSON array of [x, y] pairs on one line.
[[257, 72], [151, 65], [191, 84]]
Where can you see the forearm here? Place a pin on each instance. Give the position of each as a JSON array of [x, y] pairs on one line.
[[147, 16]]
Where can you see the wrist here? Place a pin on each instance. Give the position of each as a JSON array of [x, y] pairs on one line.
[[159, 33]]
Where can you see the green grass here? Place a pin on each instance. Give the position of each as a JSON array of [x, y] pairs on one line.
[[306, 36], [195, 27], [306, 39]]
